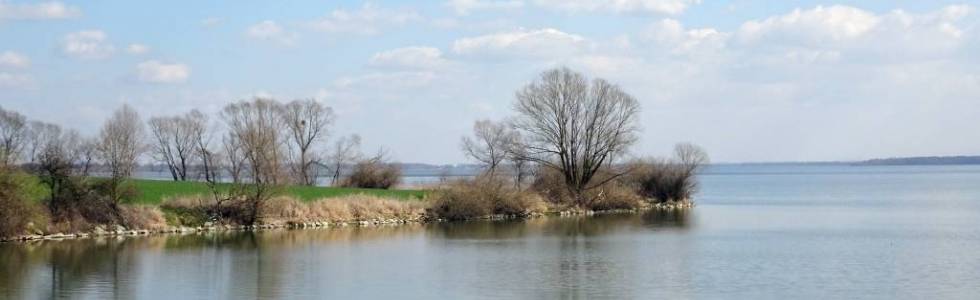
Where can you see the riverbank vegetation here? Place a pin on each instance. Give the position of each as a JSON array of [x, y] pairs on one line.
[[565, 149]]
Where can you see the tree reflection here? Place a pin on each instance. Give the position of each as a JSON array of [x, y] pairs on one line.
[[671, 219]]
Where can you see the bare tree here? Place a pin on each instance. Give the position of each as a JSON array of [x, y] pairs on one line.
[[35, 131], [200, 131], [13, 134], [574, 126], [234, 159], [120, 145], [174, 144], [256, 127], [346, 150], [489, 145], [690, 159], [55, 159], [307, 122], [86, 153], [518, 156]]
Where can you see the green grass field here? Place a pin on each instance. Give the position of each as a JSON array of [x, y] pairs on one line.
[[155, 191]]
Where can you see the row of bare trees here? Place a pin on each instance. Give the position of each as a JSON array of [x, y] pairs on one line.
[[262, 144], [60, 156]]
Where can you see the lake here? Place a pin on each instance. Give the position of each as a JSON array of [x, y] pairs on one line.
[[759, 231]]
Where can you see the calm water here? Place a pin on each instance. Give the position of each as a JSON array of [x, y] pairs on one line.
[[758, 232]]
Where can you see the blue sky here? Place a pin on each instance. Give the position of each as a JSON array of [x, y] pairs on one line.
[[748, 80]]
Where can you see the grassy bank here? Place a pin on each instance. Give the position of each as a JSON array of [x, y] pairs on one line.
[[154, 192]]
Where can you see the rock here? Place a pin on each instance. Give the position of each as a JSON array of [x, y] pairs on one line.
[[208, 224], [119, 228], [99, 230]]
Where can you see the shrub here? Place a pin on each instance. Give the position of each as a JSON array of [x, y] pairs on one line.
[[481, 197], [373, 174], [609, 195], [662, 181], [18, 202], [550, 184], [187, 211]]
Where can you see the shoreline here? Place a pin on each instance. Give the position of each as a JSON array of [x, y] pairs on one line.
[[122, 232]]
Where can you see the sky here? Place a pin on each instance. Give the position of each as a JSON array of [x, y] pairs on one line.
[[750, 81]]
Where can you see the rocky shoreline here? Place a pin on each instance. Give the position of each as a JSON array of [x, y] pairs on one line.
[[120, 231]]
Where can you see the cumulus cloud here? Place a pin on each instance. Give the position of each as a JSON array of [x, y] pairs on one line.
[[676, 39], [464, 7], [269, 30], [153, 71], [670, 7], [368, 20], [817, 25], [410, 57], [87, 44], [546, 42], [846, 32], [37, 11], [137, 49], [14, 60]]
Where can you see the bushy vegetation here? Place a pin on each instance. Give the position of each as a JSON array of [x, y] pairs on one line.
[[374, 173], [668, 180], [19, 194], [481, 197]]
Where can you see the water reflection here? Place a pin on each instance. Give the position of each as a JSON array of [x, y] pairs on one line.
[[668, 219], [266, 264]]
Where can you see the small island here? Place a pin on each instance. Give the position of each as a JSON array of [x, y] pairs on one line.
[[257, 163]]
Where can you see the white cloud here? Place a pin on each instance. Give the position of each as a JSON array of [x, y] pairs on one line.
[[844, 32], [817, 25], [464, 7], [156, 72], [671, 35], [368, 20], [10, 59], [37, 11], [16, 80], [137, 49], [670, 7], [546, 42], [410, 57], [87, 44], [269, 30]]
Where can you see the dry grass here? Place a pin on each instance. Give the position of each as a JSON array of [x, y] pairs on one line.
[[612, 196], [142, 217], [343, 209]]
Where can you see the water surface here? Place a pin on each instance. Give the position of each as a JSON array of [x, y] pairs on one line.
[[778, 231]]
